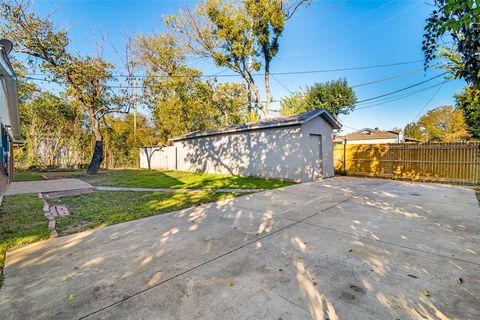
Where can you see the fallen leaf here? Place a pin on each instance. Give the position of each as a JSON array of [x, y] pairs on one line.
[[460, 280], [70, 297], [426, 293], [354, 287], [230, 284]]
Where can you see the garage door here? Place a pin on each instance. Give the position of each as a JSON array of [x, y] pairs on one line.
[[315, 156]]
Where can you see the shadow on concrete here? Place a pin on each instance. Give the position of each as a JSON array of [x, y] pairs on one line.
[[339, 249]]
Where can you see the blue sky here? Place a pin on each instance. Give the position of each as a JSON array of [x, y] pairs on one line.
[[326, 35]]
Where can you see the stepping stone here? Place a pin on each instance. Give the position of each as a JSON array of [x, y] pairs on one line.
[[62, 211], [53, 212]]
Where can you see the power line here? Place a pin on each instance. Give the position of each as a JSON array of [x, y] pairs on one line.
[[399, 97], [372, 99], [388, 78], [280, 83], [428, 102], [395, 76], [358, 34], [219, 75], [402, 89], [358, 18]]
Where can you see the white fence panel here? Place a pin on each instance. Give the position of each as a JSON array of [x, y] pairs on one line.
[[164, 158]]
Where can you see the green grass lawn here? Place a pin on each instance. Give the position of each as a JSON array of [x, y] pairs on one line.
[[137, 178], [39, 175], [21, 222], [27, 176], [102, 208], [181, 180]]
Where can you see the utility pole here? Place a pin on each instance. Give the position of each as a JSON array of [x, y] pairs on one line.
[[135, 110]]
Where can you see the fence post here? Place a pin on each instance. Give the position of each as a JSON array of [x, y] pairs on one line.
[[344, 156]]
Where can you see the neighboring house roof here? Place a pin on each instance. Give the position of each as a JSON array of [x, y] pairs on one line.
[[373, 134], [10, 86], [297, 119]]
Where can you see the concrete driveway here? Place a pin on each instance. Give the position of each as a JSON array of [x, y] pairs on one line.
[[23, 187], [343, 248]]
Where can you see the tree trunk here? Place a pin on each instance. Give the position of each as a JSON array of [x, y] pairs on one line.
[[250, 96], [97, 156], [258, 98], [149, 158], [267, 88], [267, 81]]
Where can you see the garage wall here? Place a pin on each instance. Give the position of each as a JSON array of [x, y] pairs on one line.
[[164, 158], [320, 128], [286, 152], [274, 153]]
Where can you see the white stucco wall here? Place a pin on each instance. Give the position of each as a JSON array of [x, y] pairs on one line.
[[285, 152], [274, 153]]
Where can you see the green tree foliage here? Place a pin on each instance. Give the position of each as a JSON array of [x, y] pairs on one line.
[[179, 99], [335, 96], [459, 21], [51, 130], [57, 135], [469, 102], [85, 78], [230, 102], [444, 124], [122, 144], [242, 36], [414, 130]]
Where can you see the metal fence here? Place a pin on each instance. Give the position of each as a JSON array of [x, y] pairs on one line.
[[457, 162]]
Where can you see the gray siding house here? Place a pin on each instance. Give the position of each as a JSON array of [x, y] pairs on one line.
[[296, 147]]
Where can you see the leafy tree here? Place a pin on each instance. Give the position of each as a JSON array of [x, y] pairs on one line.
[[242, 36], [413, 130], [230, 101], [50, 128], [469, 102], [335, 96], [122, 146], [459, 21], [85, 78], [445, 124], [180, 100]]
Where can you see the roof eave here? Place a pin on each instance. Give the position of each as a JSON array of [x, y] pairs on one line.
[[327, 116], [333, 122], [201, 135]]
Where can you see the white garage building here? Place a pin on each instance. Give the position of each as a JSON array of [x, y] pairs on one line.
[[296, 147]]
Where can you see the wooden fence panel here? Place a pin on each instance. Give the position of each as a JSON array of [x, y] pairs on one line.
[[457, 162]]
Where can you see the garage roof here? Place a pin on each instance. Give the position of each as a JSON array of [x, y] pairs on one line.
[[293, 120]]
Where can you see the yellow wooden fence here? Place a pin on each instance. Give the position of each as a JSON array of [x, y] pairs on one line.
[[457, 162]]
